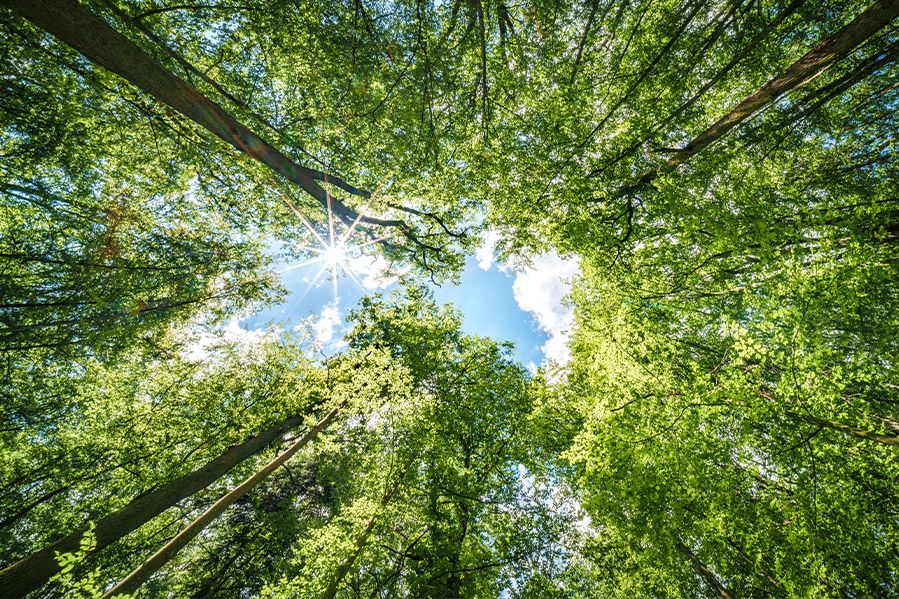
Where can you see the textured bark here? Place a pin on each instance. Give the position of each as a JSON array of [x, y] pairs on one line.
[[286, 139], [846, 429], [75, 25], [143, 572], [344, 567], [704, 571], [32, 572]]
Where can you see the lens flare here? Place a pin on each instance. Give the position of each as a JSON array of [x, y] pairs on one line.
[[332, 252], [334, 256]]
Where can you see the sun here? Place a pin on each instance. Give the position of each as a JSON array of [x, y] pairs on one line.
[[332, 251], [334, 256]]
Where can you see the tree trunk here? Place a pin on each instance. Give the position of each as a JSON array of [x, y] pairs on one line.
[[704, 571], [75, 25], [454, 580], [143, 572], [846, 429], [32, 572], [344, 567], [734, 61], [816, 61]]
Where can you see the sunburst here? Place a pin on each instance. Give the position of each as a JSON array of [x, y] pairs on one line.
[[334, 253]]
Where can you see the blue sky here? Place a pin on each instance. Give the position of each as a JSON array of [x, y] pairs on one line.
[[523, 305], [488, 304]]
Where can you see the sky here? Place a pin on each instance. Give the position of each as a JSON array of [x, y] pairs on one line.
[[524, 305]]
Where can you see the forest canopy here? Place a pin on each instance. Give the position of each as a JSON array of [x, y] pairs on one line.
[[725, 173]]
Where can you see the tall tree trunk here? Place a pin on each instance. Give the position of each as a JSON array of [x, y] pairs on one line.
[[704, 571], [344, 567], [845, 429], [34, 571], [816, 61], [734, 61], [286, 139], [90, 35], [143, 572], [454, 580]]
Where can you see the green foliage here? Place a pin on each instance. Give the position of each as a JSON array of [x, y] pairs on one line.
[[728, 422], [106, 237], [748, 424], [85, 586]]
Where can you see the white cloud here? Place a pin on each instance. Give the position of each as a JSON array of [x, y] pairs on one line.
[[327, 321], [199, 349], [540, 289], [485, 253], [375, 271], [234, 332]]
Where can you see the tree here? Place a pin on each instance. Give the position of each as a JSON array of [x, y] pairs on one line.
[[105, 244], [455, 527], [724, 171], [409, 477], [812, 64], [165, 553], [151, 438], [34, 571], [77, 26], [700, 449]]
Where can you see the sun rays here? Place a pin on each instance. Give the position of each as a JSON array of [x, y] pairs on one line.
[[337, 254]]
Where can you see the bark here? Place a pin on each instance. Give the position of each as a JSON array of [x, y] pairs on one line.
[[454, 580], [846, 429], [32, 572], [75, 25], [816, 61], [808, 106], [159, 559], [284, 137], [344, 567], [704, 571]]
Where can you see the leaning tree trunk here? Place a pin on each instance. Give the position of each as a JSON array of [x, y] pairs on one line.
[[884, 439], [344, 567], [704, 571], [714, 80], [90, 35], [143, 572], [32, 572], [816, 61]]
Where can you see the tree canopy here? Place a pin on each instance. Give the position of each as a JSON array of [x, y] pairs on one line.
[[726, 173]]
